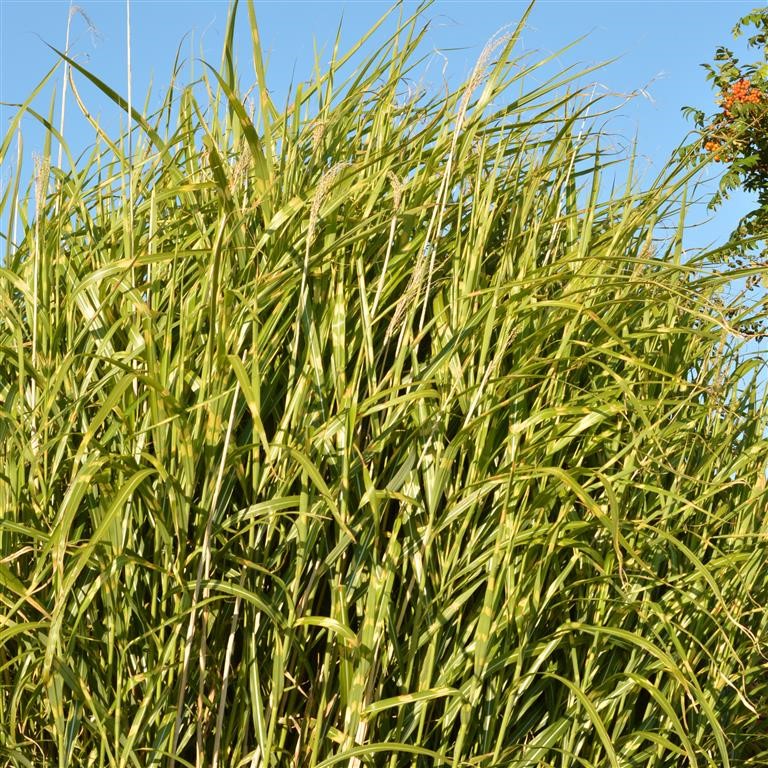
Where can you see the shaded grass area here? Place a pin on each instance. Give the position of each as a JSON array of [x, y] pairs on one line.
[[373, 432]]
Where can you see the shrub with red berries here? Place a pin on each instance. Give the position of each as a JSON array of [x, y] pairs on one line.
[[737, 134]]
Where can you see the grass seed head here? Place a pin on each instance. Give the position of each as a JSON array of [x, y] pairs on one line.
[[241, 167], [318, 132], [397, 188], [42, 174], [326, 182], [481, 67]]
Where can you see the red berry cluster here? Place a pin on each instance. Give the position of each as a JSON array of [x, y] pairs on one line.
[[741, 92], [737, 136], [722, 130]]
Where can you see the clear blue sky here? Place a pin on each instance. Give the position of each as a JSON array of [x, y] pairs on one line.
[[660, 44]]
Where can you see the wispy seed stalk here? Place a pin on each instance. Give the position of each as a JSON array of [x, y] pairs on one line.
[[397, 195]]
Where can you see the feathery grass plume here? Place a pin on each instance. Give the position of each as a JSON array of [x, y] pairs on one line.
[[327, 179], [240, 168], [42, 172], [397, 190], [318, 132], [129, 114], [245, 529], [435, 227], [42, 181], [411, 293], [480, 70], [397, 197], [324, 186], [74, 10]]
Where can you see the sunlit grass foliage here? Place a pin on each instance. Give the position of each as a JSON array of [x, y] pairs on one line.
[[378, 430]]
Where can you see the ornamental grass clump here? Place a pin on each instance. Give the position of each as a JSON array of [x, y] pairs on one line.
[[258, 510]]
